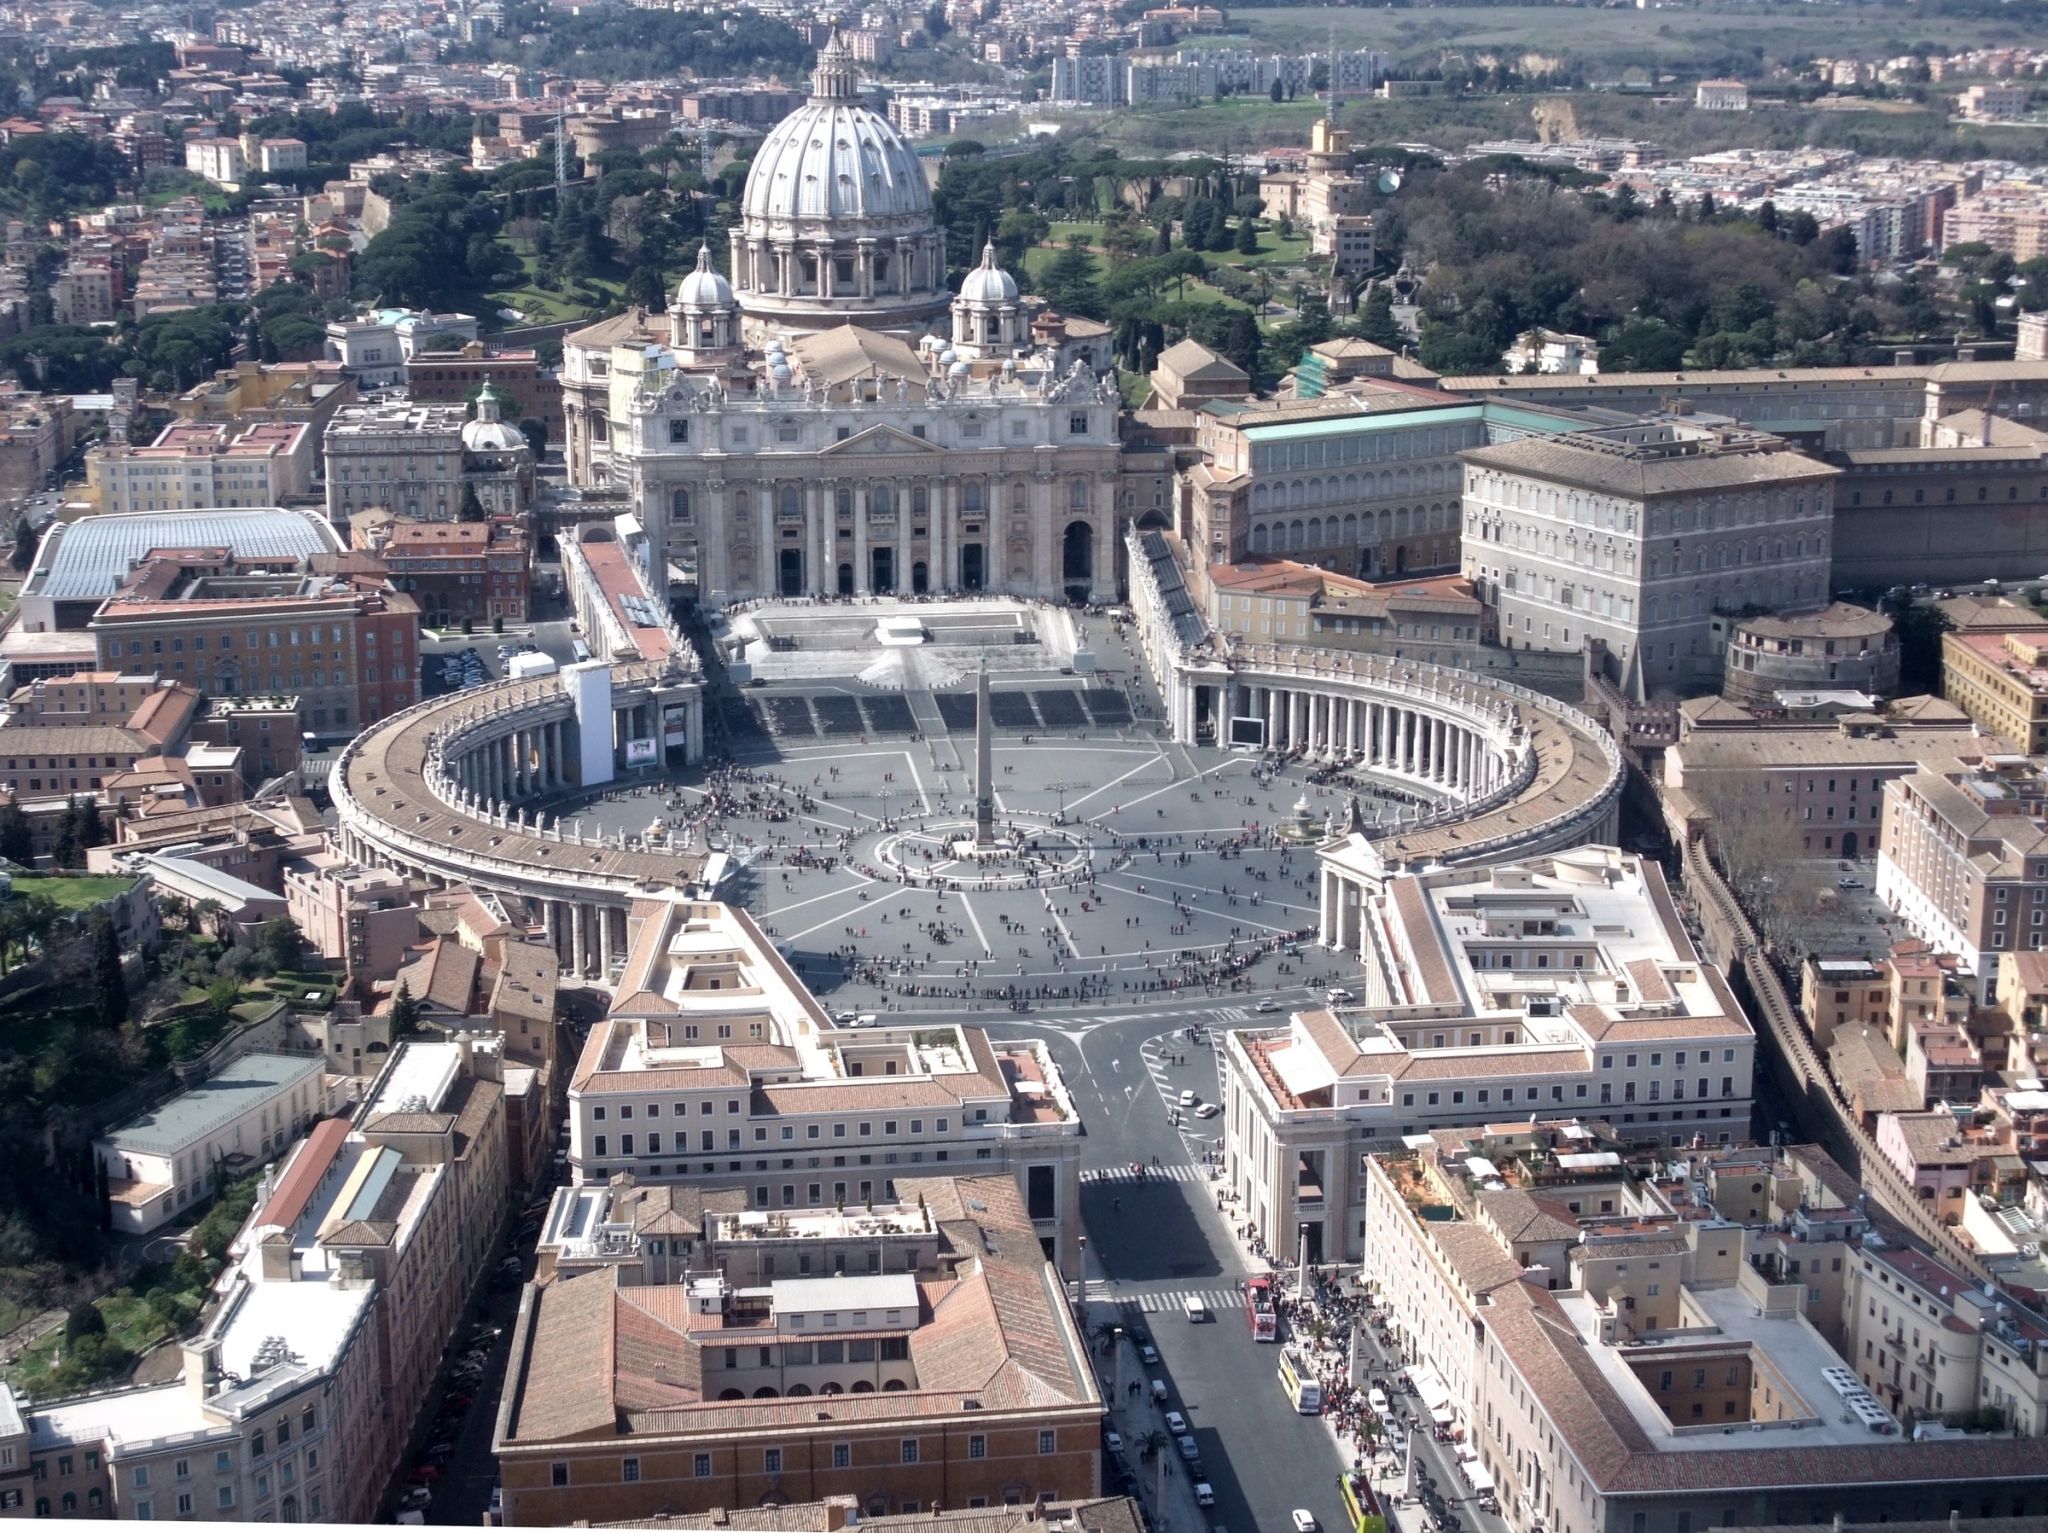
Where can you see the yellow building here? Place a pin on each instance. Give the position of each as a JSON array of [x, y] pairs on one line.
[[2001, 681]]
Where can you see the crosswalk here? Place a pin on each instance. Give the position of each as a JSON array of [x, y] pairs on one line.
[[1178, 1172], [1219, 1014], [1218, 1301]]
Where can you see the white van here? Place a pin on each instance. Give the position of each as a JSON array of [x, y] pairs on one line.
[[1159, 1391], [1197, 1311]]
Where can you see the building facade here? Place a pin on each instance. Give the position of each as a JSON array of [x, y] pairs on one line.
[[1638, 536], [806, 1116], [1560, 984], [1840, 648], [1965, 861], [191, 466], [2001, 682], [349, 651]]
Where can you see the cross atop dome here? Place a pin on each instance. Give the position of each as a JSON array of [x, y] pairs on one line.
[[834, 78]]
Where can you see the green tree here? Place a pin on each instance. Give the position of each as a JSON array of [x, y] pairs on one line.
[[1276, 92], [15, 842], [1069, 282], [1247, 241], [644, 288], [279, 943], [472, 508], [535, 431], [405, 1011], [25, 540], [109, 984], [1376, 322], [83, 1320]]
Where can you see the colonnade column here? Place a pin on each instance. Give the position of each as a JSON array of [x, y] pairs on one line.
[[1327, 909], [1272, 718], [604, 940], [576, 940]]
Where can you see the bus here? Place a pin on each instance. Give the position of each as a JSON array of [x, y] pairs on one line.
[[1304, 1390], [1258, 1309]]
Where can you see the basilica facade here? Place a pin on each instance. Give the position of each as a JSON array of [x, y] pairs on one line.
[[832, 422]]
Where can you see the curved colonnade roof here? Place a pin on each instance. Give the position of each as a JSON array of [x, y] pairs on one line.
[[1578, 767], [392, 756]]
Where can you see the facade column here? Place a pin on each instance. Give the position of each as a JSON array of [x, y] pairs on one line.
[[576, 940], [1272, 718], [1326, 912], [941, 576], [902, 571], [766, 558], [604, 940], [861, 585], [1104, 584], [1407, 753]]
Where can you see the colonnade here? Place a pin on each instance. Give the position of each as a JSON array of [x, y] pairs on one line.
[[1384, 735], [531, 759]]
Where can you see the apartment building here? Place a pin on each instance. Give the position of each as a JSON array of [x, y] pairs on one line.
[[365, 917], [716, 1065], [454, 570], [405, 458], [1923, 1337], [1636, 1352], [1638, 536], [2001, 681], [2010, 219], [975, 1385], [1994, 103], [348, 650], [193, 465], [343, 1288], [176, 1154], [1560, 984], [1965, 862], [219, 160], [1822, 779], [85, 291]]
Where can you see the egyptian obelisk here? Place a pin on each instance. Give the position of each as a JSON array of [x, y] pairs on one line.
[[984, 755]]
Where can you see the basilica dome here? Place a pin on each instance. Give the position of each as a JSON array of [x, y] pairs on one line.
[[836, 222], [835, 158]]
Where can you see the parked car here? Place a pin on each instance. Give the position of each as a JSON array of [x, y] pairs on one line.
[[1149, 1355], [1205, 1494], [423, 1474], [1113, 1440], [1188, 1099], [1188, 1448], [1304, 1521], [1207, 1110], [1176, 1423]]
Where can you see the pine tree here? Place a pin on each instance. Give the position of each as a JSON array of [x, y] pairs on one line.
[[1376, 322], [109, 985], [405, 1011], [15, 842], [1247, 237]]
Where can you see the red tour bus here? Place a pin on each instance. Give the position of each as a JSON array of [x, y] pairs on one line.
[[1258, 1307]]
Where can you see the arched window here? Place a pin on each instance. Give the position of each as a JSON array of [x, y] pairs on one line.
[[679, 507], [742, 506], [1259, 538], [95, 1497], [830, 1389], [1077, 494], [863, 1387], [732, 1394], [70, 1502], [766, 1392], [288, 1509], [890, 1386], [799, 1389], [970, 497], [42, 1506], [791, 501]]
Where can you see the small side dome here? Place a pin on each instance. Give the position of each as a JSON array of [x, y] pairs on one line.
[[704, 288], [957, 370], [988, 282]]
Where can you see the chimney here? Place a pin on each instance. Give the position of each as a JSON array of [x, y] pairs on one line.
[[1904, 356], [277, 1256], [202, 1366], [841, 1512]]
